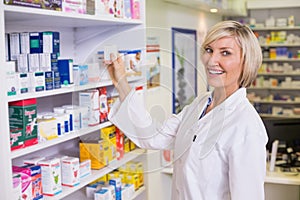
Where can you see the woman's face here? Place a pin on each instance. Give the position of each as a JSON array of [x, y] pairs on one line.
[[222, 61]]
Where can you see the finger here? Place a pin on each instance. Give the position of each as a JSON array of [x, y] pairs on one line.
[[113, 57]]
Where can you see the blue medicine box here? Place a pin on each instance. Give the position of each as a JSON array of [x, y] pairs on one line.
[[65, 69]]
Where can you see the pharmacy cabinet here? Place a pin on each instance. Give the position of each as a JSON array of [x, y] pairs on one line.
[[275, 92], [81, 37]]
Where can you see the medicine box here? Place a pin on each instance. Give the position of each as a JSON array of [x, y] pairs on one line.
[[33, 62], [90, 99], [65, 69], [94, 151], [135, 9], [14, 45], [36, 42], [91, 189], [47, 127], [45, 62], [104, 8], [103, 104], [23, 83], [49, 84], [52, 5], [51, 176], [90, 7], [116, 182], [74, 6], [85, 168], [70, 171], [37, 81], [127, 9], [127, 191], [102, 194], [51, 42], [24, 43], [36, 179], [108, 134], [26, 185], [22, 63], [7, 49], [17, 186], [56, 80], [22, 118], [80, 74], [11, 84], [26, 3]]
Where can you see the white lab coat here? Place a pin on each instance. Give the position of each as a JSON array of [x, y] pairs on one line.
[[226, 161]]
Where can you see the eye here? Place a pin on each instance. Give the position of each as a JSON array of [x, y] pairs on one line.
[[208, 50], [225, 53]]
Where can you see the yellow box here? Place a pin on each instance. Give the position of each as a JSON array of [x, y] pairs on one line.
[[108, 134], [133, 179], [126, 144], [136, 168], [95, 152]]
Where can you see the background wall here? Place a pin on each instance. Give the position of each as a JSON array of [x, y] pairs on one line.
[[160, 18]]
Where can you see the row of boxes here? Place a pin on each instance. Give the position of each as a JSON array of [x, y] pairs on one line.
[[111, 146], [129, 178], [41, 176], [23, 43], [116, 8], [28, 126]]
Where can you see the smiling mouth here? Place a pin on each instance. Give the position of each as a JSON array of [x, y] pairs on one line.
[[215, 71]]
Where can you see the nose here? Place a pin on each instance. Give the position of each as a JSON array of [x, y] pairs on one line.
[[213, 59]]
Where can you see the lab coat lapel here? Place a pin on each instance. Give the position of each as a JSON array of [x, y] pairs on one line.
[[188, 128]]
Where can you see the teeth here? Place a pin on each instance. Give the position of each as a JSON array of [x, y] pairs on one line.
[[215, 71]]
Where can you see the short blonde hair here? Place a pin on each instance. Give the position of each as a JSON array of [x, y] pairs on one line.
[[250, 49]]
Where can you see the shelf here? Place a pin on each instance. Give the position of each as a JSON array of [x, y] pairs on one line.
[[272, 88], [271, 177], [67, 89], [275, 28], [259, 4], [282, 178], [280, 45], [98, 173], [81, 194], [27, 16], [27, 150], [280, 116], [281, 60], [278, 74], [277, 102]]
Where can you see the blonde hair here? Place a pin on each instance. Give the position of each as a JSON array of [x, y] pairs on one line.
[[251, 51]]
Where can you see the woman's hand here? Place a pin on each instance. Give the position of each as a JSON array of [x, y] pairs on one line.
[[117, 74]]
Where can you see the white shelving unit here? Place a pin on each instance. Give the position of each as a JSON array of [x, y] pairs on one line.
[[81, 36], [261, 11]]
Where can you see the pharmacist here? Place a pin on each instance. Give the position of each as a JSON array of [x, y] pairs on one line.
[[219, 139]]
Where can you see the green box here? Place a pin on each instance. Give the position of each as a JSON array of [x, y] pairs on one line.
[[22, 118]]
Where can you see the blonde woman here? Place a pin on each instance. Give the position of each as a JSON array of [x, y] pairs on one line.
[[219, 139]]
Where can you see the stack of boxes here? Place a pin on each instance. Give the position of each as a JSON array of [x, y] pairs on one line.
[[40, 176], [33, 60], [115, 8], [125, 181], [111, 146]]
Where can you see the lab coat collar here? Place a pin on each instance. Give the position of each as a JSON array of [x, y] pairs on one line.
[[233, 100]]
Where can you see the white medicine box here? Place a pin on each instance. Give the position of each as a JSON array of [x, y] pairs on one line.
[[70, 171]]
